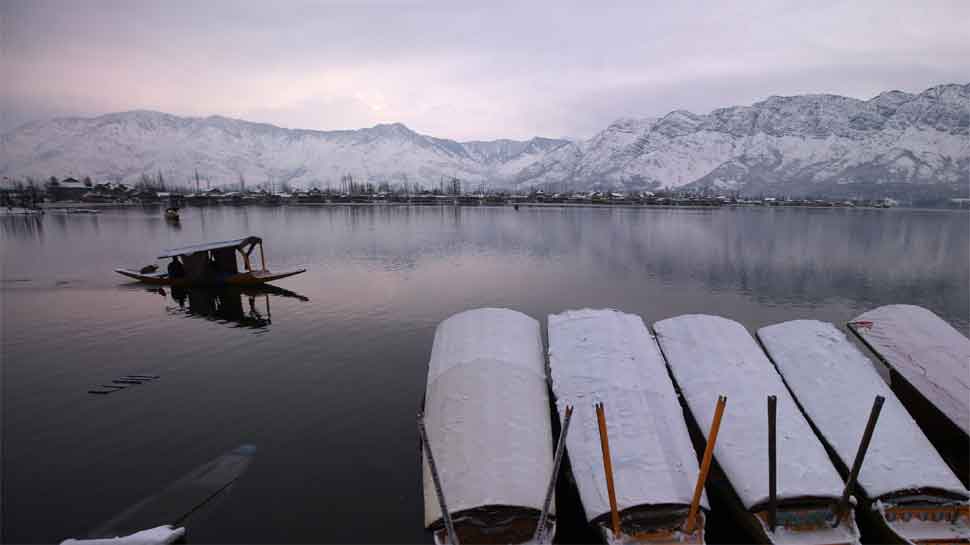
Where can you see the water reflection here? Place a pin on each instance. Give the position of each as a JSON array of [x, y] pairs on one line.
[[24, 226], [237, 307], [341, 374]]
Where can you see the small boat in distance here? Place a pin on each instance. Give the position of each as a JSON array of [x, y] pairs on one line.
[[214, 264]]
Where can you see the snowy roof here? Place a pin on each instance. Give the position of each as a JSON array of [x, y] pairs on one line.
[[711, 356], [207, 246], [608, 356], [835, 384], [487, 412], [928, 352]]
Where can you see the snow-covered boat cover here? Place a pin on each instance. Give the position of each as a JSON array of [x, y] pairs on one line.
[[711, 356], [487, 412], [610, 357], [928, 352], [836, 384], [207, 246]]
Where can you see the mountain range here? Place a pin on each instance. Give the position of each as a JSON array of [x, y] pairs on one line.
[[798, 145]]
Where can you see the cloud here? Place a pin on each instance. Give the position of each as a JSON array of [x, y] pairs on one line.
[[464, 71]]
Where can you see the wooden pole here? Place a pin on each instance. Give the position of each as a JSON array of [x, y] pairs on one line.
[[540, 533], [608, 469], [860, 454], [439, 492], [772, 468], [695, 503], [262, 256]]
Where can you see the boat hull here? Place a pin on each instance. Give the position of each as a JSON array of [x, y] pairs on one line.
[[513, 532], [936, 524], [253, 278]]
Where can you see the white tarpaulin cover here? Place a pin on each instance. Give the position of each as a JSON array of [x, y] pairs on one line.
[[487, 413], [928, 352], [608, 356], [207, 246], [160, 535], [708, 356], [836, 385]]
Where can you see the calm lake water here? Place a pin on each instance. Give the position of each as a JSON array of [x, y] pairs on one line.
[[326, 385]]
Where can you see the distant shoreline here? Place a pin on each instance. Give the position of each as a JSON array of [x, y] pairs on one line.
[[111, 205]]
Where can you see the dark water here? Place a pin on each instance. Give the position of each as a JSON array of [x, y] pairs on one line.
[[326, 386]]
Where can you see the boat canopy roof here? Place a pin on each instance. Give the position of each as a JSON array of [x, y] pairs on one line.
[[609, 356], [208, 246], [932, 355], [835, 384], [711, 356], [487, 413]]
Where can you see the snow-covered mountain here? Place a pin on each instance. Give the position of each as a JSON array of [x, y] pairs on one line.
[[124, 146], [797, 144]]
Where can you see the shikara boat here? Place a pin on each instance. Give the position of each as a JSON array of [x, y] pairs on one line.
[[909, 493], [610, 357], [214, 264], [486, 414], [929, 362], [710, 355]]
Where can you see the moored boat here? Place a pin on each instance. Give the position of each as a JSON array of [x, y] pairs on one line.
[[610, 357], [213, 264], [486, 414], [929, 362], [909, 493], [708, 355]]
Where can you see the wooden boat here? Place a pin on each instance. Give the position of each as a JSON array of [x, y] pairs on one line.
[[709, 355], [199, 271], [486, 413], [172, 214], [610, 357], [909, 493], [929, 362]]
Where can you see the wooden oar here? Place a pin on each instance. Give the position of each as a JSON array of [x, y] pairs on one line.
[[608, 468], [540, 534], [772, 464], [860, 455], [695, 503], [439, 492]]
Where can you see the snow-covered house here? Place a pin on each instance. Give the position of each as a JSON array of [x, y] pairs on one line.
[[68, 189]]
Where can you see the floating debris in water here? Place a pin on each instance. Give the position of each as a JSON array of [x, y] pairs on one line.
[[127, 381]]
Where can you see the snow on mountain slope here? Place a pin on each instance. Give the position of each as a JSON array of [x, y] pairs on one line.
[[124, 146], [801, 140], [799, 143]]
